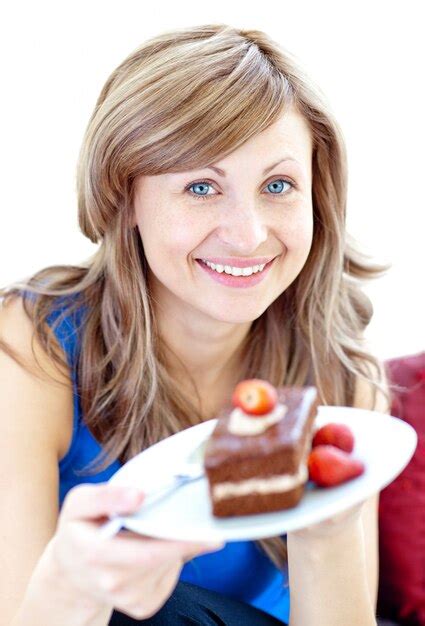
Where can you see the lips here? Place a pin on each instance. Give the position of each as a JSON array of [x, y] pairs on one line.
[[236, 281]]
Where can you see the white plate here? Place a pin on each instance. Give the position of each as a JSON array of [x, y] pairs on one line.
[[384, 443]]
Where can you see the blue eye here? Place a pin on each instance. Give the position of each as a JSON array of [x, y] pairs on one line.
[[205, 195], [201, 183]]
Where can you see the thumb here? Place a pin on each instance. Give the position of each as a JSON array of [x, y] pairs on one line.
[[91, 501]]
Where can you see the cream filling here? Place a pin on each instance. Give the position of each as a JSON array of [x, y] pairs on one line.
[[279, 483], [242, 424]]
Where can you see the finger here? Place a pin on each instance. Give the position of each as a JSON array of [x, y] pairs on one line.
[[89, 502], [140, 550]]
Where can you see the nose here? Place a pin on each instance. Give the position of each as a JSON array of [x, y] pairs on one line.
[[242, 229]]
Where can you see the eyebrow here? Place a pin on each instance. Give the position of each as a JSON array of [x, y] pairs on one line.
[[221, 172]]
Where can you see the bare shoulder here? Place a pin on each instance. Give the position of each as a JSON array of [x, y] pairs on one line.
[[42, 380]]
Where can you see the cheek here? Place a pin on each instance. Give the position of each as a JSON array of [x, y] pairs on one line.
[[297, 232], [168, 237], [183, 239]]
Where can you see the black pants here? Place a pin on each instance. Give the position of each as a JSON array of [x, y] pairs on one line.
[[190, 605]]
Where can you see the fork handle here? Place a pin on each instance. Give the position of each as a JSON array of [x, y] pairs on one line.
[[111, 527]]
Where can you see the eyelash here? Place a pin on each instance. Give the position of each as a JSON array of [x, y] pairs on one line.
[[207, 196]]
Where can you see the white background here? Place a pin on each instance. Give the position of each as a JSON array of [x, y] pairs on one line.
[[367, 57]]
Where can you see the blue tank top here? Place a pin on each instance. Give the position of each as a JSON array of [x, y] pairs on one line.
[[240, 570]]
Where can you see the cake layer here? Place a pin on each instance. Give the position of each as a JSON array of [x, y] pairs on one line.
[[278, 483], [254, 503], [282, 461]]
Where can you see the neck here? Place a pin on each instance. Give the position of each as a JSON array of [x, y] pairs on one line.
[[206, 353]]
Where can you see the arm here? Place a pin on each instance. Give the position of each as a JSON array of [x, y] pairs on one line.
[[333, 566], [364, 399], [35, 416], [327, 576]]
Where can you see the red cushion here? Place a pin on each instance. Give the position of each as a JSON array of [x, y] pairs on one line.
[[402, 506]]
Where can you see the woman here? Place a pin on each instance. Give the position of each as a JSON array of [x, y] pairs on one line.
[[153, 332]]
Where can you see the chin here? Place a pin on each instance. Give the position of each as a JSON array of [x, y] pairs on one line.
[[236, 317]]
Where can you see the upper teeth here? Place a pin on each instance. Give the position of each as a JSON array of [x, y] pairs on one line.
[[235, 271]]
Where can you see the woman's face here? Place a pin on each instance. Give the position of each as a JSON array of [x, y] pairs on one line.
[[247, 215]]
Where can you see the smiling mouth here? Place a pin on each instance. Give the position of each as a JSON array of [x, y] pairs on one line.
[[237, 276], [235, 270]]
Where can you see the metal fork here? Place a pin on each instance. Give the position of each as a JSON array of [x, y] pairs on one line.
[[190, 470]]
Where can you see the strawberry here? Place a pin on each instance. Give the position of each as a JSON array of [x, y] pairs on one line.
[[255, 396], [329, 466], [333, 434]]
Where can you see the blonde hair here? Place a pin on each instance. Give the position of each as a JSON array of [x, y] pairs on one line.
[[183, 99]]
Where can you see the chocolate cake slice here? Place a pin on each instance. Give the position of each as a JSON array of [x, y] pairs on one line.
[[258, 464]]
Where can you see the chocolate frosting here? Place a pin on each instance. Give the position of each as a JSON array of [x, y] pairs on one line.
[[287, 434]]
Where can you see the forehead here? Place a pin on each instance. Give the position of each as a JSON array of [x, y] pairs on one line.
[[291, 129], [289, 136]]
